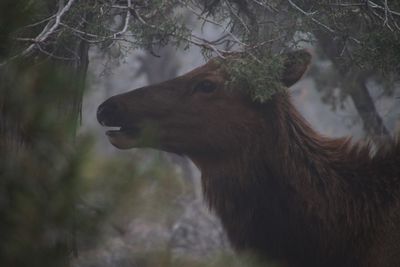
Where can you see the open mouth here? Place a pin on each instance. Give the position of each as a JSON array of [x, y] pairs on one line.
[[131, 131], [123, 137]]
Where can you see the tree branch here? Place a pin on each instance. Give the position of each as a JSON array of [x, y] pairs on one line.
[[127, 18], [49, 29]]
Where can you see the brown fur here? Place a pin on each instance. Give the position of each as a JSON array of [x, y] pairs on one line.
[[281, 190]]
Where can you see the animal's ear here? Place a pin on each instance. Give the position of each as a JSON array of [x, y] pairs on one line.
[[296, 64]]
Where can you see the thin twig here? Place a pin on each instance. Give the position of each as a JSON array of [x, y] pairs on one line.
[[39, 22], [266, 5], [202, 16], [206, 44], [386, 7], [127, 18], [51, 54], [385, 22], [388, 17], [232, 11], [44, 35], [235, 39], [258, 45], [310, 14], [347, 4]]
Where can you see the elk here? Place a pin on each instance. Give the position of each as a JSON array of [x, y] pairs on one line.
[[281, 190]]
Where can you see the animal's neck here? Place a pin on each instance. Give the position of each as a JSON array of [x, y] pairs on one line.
[[286, 183], [285, 152]]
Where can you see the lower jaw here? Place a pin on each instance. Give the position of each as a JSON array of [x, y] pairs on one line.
[[121, 140]]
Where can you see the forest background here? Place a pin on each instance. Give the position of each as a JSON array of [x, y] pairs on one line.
[[67, 198]]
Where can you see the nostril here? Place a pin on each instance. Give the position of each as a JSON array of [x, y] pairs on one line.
[[107, 112]]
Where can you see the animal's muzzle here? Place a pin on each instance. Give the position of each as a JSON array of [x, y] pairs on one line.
[[110, 113]]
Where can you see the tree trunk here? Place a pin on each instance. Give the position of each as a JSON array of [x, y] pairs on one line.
[[354, 83]]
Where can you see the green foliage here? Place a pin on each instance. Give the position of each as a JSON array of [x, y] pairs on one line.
[[13, 15], [148, 36], [380, 51], [55, 193], [38, 166], [367, 35], [258, 73]]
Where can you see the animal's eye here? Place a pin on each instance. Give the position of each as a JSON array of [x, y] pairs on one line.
[[205, 86]]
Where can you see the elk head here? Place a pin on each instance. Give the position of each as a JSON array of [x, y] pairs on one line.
[[193, 114]]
